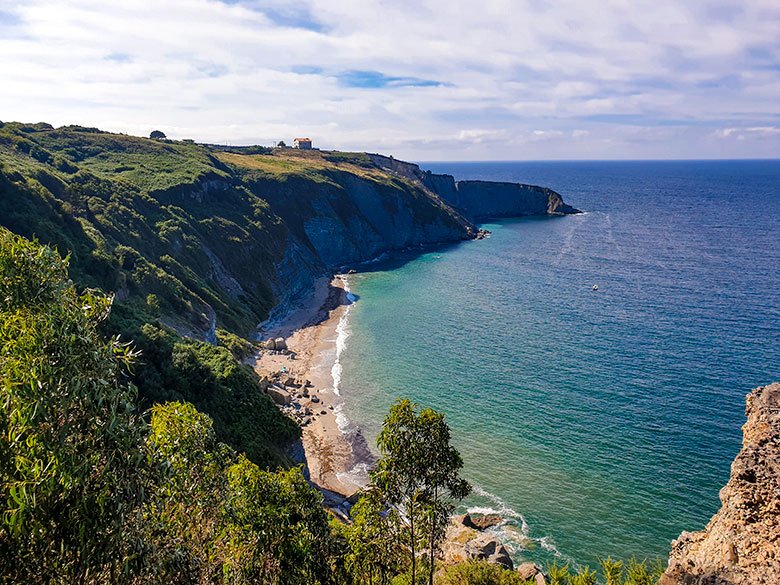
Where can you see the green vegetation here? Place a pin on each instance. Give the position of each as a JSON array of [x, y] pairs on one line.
[[612, 573], [93, 493], [71, 462], [132, 453], [479, 573], [174, 369], [418, 475]]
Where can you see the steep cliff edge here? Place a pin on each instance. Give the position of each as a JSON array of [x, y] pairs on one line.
[[481, 200], [203, 237], [741, 544]]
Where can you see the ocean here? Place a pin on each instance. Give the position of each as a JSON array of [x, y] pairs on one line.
[[600, 422]]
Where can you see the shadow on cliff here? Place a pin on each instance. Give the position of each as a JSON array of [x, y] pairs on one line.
[[397, 258]]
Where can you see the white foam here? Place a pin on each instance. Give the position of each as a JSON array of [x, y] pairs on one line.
[[341, 419], [342, 334], [358, 475], [502, 509]]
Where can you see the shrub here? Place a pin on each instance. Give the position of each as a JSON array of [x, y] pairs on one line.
[[71, 469], [479, 573]]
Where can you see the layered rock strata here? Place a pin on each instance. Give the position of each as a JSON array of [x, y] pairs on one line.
[[741, 544]]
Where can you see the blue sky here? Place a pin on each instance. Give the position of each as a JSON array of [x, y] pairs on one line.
[[422, 80]]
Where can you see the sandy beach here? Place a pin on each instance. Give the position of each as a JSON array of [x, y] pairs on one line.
[[311, 332]]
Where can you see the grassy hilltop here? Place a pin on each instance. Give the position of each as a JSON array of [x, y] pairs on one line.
[[199, 241], [177, 220]]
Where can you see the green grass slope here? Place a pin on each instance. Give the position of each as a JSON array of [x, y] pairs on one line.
[[187, 238]]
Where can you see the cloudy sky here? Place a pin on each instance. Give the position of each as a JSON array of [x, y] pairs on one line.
[[423, 79]]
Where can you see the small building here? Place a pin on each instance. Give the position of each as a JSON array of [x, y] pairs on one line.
[[302, 143]]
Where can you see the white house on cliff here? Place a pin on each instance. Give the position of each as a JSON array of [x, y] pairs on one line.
[[302, 143]]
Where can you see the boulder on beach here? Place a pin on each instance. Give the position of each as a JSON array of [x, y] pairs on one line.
[[276, 344], [278, 395]]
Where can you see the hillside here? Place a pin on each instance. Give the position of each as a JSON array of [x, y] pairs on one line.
[[218, 237], [202, 242]]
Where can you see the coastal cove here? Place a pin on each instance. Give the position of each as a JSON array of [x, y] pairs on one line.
[[598, 422]]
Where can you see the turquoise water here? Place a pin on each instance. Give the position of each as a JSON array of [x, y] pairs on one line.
[[602, 422]]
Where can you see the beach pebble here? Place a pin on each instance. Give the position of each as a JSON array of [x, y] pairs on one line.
[[314, 398], [330, 407], [323, 412]]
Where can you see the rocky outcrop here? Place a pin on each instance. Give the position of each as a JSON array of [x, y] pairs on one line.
[[482, 522], [465, 541], [531, 572], [480, 200], [741, 544]]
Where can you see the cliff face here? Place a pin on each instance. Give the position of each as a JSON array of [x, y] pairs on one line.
[[205, 237], [741, 544], [481, 200]]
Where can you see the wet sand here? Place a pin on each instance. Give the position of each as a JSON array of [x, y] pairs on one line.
[[310, 331]]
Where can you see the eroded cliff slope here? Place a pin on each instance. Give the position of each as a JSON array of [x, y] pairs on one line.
[[741, 544], [204, 237], [481, 200]]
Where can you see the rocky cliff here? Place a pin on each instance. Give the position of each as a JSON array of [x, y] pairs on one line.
[[741, 544], [481, 200], [205, 237]]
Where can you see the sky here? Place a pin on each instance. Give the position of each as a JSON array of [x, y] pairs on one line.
[[422, 80]]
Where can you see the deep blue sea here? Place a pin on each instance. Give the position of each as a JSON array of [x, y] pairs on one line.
[[600, 422]]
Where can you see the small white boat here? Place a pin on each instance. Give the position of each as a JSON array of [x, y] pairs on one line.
[[595, 287]]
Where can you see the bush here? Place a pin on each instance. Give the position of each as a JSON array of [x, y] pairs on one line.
[[479, 573], [71, 468]]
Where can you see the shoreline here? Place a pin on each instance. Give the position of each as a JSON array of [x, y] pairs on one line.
[[314, 331]]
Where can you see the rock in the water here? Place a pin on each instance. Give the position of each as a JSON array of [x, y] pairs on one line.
[[486, 521], [741, 544], [464, 542]]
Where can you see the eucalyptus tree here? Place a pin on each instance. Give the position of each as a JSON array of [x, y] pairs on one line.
[[72, 471], [418, 474]]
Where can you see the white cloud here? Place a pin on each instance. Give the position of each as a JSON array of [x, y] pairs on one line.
[[620, 77]]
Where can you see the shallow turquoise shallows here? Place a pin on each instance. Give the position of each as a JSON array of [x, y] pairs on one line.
[[602, 422]]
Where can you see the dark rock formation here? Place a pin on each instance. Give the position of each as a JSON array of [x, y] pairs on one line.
[[741, 544], [480, 200], [482, 522]]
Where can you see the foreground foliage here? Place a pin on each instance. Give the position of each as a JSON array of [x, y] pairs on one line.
[[91, 493], [410, 500], [71, 462]]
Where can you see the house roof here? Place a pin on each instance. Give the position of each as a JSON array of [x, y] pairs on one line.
[[301, 139]]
